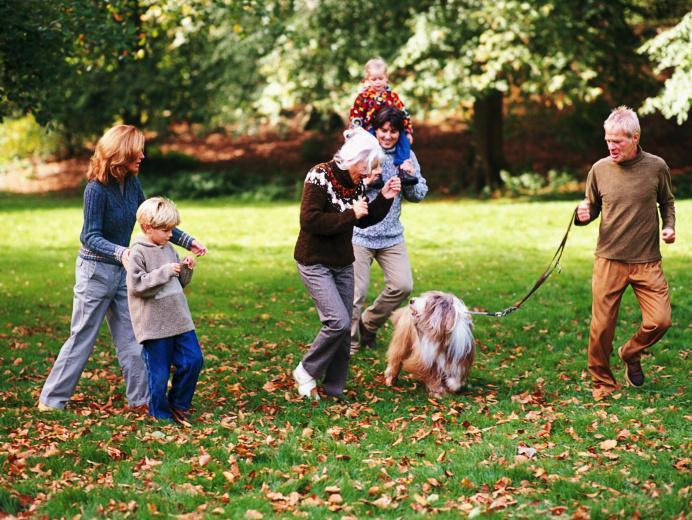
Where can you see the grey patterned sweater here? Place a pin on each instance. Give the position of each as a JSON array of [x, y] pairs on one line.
[[390, 231], [158, 307]]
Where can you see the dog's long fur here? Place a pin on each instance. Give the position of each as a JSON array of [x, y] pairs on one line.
[[433, 341]]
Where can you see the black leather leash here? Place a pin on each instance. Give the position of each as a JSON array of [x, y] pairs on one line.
[[552, 267]]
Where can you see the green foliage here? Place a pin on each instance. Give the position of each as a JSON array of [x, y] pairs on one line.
[[235, 183], [531, 183], [672, 50], [393, 452], [23, 138]]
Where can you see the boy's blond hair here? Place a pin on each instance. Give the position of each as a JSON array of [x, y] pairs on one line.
[[376, 64], [118, 147], [159, 213]]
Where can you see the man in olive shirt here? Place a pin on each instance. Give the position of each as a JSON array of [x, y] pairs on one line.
[[625, 188]]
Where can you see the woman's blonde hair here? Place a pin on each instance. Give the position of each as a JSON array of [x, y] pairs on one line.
[[360, 146], [119, 146], [159, 213]]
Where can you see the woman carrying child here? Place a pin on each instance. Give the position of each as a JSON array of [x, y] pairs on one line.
[[111, 199], [384, 242], [333, 204]]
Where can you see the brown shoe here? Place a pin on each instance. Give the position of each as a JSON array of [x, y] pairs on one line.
[[182, 417], [634, 375], [367, 338]]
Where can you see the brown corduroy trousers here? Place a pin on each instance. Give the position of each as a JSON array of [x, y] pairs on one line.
[[610, 280]]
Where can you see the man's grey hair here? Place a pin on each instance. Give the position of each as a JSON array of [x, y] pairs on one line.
[[625, 119]]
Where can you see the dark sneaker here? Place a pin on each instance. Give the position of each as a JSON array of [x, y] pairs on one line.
[[633, 371], [406, 179], [367, 338], [182, 417]]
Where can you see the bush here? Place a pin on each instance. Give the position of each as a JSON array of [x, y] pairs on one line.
[[204, 184], [531, 183], [163, 163], [24, 138]]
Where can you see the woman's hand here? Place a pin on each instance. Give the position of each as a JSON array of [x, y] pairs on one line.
[[198, 249], [125, 259], [190, 261], [360, 208], [407, 166], [391, 188], [409, 137]]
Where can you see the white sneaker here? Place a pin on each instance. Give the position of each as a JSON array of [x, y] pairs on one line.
[[307, 386], [45, 408]]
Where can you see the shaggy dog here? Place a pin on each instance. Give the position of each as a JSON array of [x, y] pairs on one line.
[[433, 341]]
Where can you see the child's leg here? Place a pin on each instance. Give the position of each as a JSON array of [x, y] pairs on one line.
[[402, 151], [158, 355], [187, 359]]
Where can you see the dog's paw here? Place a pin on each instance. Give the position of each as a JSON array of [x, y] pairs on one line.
[[388, 379]]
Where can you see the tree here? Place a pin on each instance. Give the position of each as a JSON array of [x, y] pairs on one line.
[[672, 50]]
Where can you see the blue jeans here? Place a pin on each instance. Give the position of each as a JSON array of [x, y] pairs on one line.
[[184, 353]]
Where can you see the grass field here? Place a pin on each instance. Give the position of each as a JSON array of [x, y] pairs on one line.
[[525, 439]]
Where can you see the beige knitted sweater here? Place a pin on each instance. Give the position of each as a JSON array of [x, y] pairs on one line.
[[158, 307]]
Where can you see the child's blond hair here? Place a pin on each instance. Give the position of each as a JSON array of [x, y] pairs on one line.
[[375, 64], [159, 213]]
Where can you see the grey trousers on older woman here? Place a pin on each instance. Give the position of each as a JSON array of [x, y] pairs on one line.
[[331, 289], [100, 292]]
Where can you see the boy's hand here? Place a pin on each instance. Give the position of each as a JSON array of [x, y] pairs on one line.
[[175, 268], [190, 261], [198, 249]]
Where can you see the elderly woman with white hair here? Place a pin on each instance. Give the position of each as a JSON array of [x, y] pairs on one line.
[[332, 203]]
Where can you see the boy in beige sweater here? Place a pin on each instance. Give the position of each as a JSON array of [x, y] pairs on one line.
[[160, 315]]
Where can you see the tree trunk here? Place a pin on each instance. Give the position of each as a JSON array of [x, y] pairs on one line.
[[489, 144], [132, 114]]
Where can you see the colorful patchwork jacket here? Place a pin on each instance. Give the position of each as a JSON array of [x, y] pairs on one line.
[[369, 101]]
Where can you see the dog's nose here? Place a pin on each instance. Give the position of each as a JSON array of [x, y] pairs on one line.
[[411, 301]]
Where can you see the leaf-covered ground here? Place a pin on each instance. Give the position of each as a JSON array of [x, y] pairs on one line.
[[524, 440]]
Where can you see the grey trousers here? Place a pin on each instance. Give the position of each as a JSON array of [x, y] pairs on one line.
[[100, 292], [398, 285], [331, 290]]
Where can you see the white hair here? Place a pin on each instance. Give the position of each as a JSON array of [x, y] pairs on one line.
[[360, 146], [625, 119]]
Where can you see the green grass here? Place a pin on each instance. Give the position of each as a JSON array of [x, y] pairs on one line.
[[394, 452]]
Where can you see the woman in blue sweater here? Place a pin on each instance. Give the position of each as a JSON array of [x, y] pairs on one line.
[[111, 199]]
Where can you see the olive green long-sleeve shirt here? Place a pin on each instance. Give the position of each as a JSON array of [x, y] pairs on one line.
[[626, 195]]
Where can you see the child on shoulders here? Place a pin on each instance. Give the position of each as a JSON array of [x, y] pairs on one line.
[[160, 314], [377, 93]]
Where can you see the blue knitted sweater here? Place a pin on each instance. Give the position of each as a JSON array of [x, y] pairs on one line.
[[109, 216], [390, 231]]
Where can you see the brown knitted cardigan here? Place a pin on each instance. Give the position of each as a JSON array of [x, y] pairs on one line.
[[327, 217]]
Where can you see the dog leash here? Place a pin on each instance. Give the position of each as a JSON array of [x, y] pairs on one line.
[[552, 267]]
